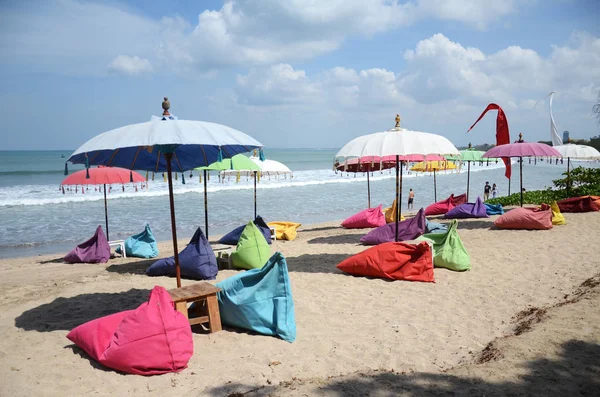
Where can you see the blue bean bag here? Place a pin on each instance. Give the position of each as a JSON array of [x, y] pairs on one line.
[[468, 210], [233, 236], [260, 300], [141, 245], [494, 209], [197, 261], [434, 227]]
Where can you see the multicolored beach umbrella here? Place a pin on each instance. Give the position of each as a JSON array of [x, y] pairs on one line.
[[165, 144]]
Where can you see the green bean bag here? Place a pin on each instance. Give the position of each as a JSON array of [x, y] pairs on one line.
[[448, 249], [252, 251]]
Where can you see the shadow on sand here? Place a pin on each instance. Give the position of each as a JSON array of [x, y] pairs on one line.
[[315, 263], [135, 267], [68, 313], [353, 238], [574, 373]]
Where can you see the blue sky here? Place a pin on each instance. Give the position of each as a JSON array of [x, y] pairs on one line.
[[297, 73]]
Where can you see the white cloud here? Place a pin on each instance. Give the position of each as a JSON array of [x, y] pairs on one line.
[[70, 36], [130, 65]]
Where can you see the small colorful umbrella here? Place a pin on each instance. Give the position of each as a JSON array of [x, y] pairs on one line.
[[522, 149], [364, 164], [237, 162], [103, 176]]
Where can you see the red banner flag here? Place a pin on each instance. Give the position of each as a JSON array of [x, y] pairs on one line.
[[502, 133]]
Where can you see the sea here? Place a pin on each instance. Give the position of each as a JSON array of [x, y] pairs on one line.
[[37, 217]]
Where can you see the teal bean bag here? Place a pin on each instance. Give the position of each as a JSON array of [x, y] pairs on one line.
[[252, 251], [494, 209], [260, 300], [448, 249], [141, 245]]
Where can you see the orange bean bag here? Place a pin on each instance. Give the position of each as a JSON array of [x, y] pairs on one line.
[[526, 219], [580, 204], [394, 261]]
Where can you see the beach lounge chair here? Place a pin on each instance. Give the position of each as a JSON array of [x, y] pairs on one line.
[[369, 218]]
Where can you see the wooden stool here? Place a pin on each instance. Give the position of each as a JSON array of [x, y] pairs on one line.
[[200, 293]]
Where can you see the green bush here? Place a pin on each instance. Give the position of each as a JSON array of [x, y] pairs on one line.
[[582, 182]]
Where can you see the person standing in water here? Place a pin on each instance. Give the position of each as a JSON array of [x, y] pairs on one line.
[[411, 199]]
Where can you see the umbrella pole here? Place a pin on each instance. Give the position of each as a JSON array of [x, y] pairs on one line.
[[368, 189], [205, 207], [254, 194], [397, 191], [568, 175], [509, 186], [434, 187], [468, 178], [106, 213], [400, 196], [521, 169], [168, 157]]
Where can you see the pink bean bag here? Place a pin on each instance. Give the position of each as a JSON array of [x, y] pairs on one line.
[[460, 199], [150, 340], [526, 219], [371, 217]]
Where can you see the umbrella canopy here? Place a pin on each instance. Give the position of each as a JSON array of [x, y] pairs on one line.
[[578, 152], [237, 162], [435, 165], [404, 145], [103, 176], [265, 168], [143, 146], [163, 144], [522, 149]]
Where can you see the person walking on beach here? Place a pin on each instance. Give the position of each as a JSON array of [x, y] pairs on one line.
[[486, 191], [411, 199], [494, 191]]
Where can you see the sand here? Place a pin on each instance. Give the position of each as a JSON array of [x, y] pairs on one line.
[[356, 336]]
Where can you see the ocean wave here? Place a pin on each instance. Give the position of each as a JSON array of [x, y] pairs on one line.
[[36, 195]]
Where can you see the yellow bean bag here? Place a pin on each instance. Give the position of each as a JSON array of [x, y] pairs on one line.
[[390, 213], [557, 217], [285, 230]]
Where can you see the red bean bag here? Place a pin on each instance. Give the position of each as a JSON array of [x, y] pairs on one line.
[[441, 207], [580, 204], [150, 340], [371, 217], [526, 218], [460, 199], [395, 261]]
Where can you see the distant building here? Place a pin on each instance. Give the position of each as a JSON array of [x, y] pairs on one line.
[[565, 136]]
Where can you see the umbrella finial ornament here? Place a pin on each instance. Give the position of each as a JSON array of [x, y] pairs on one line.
[[166, 105], [397, 121], [520, 138], [469, 147]]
